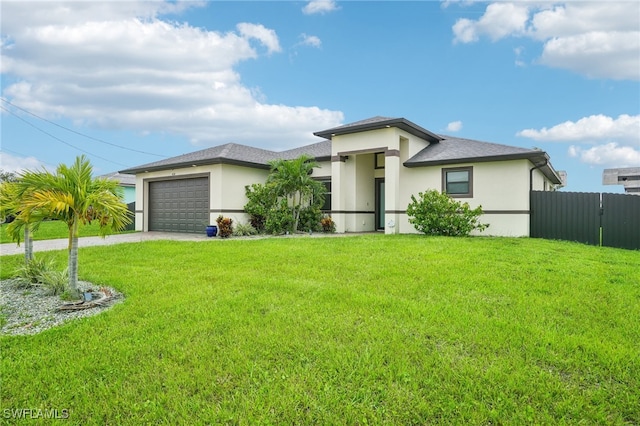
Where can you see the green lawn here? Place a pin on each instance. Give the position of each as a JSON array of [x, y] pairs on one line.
[[53, 229], [358, 330]]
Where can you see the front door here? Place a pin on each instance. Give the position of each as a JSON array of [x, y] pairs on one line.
[[380, 204]]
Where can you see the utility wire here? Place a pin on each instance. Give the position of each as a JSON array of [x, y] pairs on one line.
[[78, 133], [58, 139]]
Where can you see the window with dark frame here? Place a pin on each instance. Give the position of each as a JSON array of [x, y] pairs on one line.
[[458, 181], [379, 156], [327, 196]]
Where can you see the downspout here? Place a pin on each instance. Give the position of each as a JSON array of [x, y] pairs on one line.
[[546, 161], [531, 173]]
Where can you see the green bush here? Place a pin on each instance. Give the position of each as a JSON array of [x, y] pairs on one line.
[[434, 213], [261, 198], [310, 219], [279, 219]]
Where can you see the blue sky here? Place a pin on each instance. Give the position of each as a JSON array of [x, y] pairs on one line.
[[128, 83]]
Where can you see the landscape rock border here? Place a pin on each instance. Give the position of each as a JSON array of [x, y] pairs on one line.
[[28, 311]]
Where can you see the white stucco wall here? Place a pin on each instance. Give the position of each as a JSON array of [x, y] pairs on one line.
[[226, 189], [322, 171], [500, 187]]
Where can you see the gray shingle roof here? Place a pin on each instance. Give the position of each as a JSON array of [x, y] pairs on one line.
[[441, 150], [124, 179], [233, 153], [452, 150], [321, 151]]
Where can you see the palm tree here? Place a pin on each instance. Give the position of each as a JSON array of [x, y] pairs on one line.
[[9, 208], [75, 197], [292, 179]]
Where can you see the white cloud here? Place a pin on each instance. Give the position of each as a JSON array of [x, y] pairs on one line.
[[259, 32], [116, 65], [454, 126], [596, 39], [310, 40], [592, 129], [499, 20], [16, 164], [608, 155], [622, 137], [616, 54], [319, 6]]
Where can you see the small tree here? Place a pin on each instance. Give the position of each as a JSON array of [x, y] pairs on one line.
[[434, 213], [73, 196], [292, 180], [262, 198], [9, 209], [289, 201]]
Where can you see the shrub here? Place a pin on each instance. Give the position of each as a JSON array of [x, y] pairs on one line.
[[261, 198], [225, 226], [439, 214], [244, 229], [328, 225], [279, 219], [310, 219]]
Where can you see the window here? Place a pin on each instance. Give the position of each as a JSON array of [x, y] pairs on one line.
[[327, 196], [379, 160], [458, 182]]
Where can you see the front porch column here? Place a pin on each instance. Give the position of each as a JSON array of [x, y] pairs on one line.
[[338, 193], [392, 192]]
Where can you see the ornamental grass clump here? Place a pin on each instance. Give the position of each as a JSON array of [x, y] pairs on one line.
[[435, 213]]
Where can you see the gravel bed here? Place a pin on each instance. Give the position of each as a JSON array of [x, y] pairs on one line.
[[31, 310]]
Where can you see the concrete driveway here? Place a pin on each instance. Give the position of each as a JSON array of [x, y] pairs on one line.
[[136, 237]]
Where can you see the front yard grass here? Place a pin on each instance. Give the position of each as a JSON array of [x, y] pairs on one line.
[[357, 330], [53, 229]]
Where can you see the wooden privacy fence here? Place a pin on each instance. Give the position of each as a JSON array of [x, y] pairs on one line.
[[611, 220]]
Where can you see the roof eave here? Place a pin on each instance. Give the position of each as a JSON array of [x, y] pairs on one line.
[[538, 159], [400, 123], [409, 163], [196, 163]]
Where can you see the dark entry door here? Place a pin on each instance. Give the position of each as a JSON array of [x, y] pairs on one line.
[[380, 204]]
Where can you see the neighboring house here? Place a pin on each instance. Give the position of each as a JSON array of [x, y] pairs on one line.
[[629, 177], [127, 182], [370, 168]]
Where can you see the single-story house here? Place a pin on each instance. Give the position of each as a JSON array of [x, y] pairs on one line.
[[370, 168], [127, 182]]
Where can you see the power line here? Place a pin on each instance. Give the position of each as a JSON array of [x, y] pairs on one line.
[[79, 133], [58, 139]]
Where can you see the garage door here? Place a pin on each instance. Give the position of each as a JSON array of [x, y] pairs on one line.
[[179, 205]]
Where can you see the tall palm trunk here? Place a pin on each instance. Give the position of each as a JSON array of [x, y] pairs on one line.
[[73, 259], [28, 245], [296, 213]]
